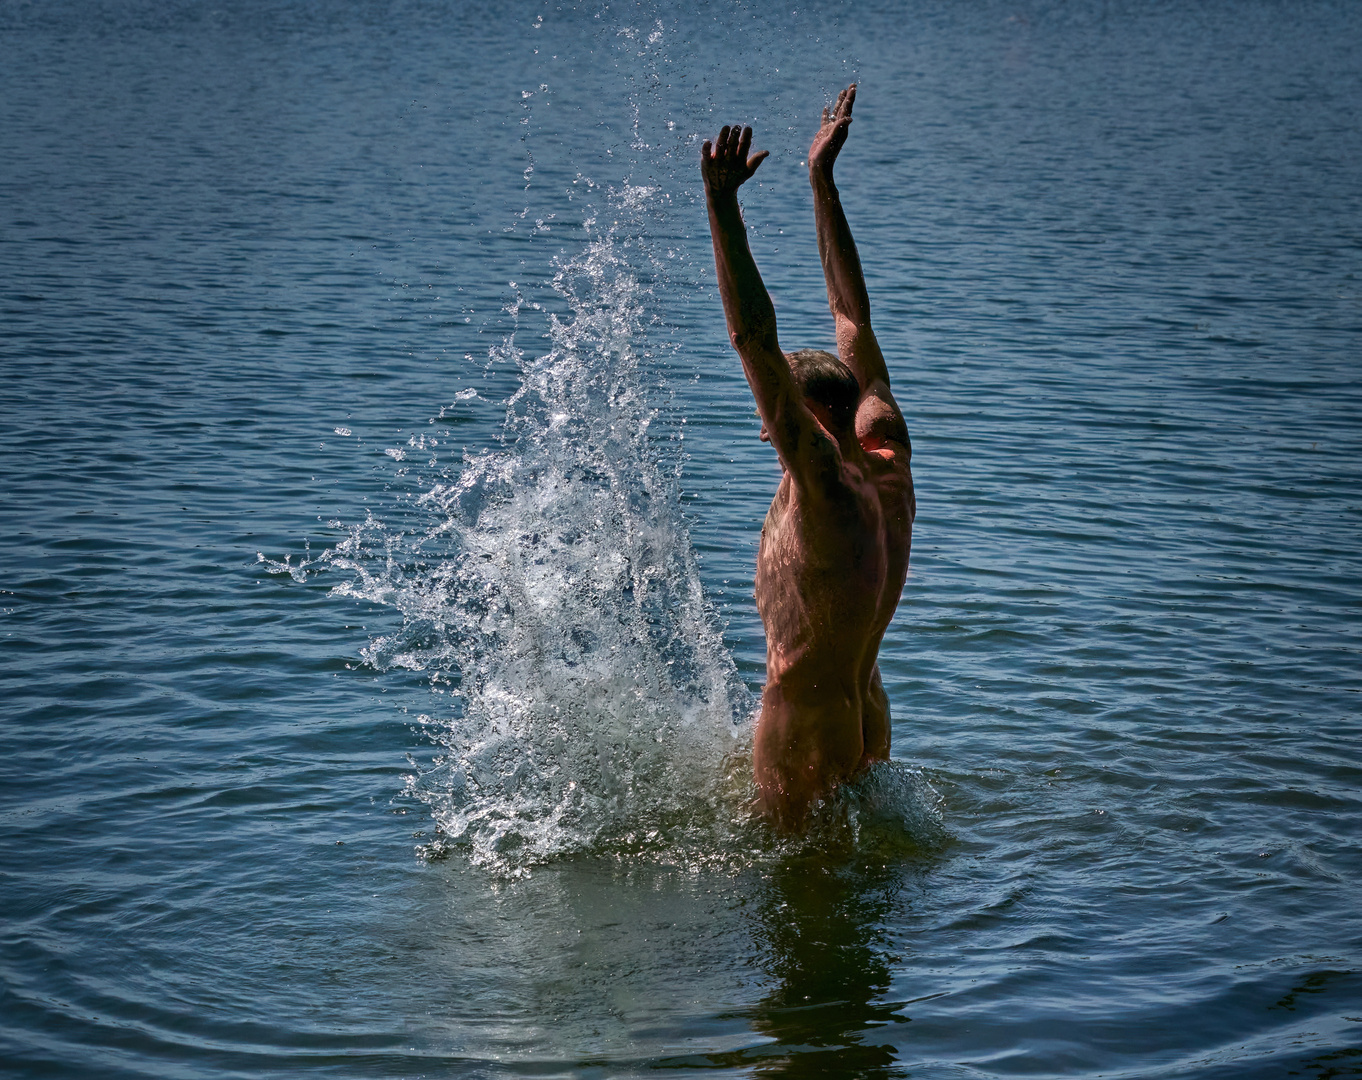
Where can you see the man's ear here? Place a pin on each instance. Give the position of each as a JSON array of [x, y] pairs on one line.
[[764, 437]]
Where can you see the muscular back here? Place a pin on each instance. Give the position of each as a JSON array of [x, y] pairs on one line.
[[830, 569]]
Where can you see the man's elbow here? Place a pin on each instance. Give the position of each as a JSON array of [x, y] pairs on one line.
[[747, 339]]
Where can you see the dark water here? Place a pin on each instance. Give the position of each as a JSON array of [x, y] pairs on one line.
[[365, 395]]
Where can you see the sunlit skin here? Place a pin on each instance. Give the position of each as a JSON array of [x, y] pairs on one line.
[[834, 549]]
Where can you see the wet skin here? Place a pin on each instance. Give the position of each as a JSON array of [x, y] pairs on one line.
[[834, 549]]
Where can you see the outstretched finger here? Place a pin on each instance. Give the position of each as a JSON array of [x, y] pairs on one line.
[[755, 160], [850, 99], [826, 117], [744, 144], [721, 145], [837, 108]]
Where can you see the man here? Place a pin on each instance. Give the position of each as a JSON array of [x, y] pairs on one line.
[[834, 549]]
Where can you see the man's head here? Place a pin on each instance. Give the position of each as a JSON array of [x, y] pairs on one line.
[[826, 381]]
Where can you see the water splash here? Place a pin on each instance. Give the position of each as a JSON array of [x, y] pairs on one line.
[[553, 594]]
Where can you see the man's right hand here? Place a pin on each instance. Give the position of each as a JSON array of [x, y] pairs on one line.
[[728, 167], [832, 134]]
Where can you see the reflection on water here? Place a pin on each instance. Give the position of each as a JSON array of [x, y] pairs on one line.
[[782, 969], [825, 935]]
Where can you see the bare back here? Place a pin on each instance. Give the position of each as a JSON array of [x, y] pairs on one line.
[[830, 569]]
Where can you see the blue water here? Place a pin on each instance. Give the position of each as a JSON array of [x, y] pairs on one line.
[[381, 496]]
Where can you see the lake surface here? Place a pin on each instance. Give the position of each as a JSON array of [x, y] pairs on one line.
[[377, 645]]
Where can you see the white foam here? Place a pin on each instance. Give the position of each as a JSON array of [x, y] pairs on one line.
[[592, 703]]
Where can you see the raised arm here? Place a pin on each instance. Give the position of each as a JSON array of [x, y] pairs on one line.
[[747, 305], [793, 431], [847, 296]]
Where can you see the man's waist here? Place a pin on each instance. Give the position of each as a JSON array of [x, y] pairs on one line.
[[829, 664]]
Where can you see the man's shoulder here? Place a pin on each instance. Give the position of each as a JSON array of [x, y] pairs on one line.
[[879, 419]]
